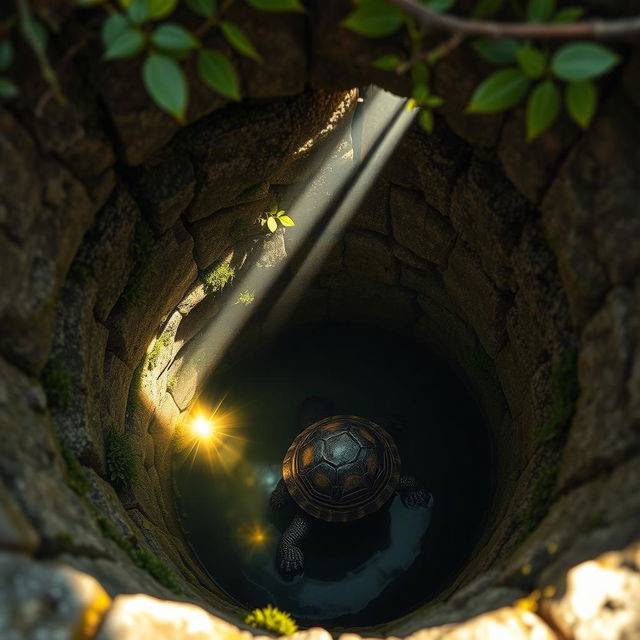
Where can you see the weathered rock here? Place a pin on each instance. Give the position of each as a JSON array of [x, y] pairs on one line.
[[367, 256], [16, 532], [507, 622], [140, 617], [132, 324], [373, 213], [108, 253], [589, 212], [164, 187], [603, 365], [42, 600], [79, 345], [44, 212], [114, 403], [601, 599], [477, 296], [419, 227]]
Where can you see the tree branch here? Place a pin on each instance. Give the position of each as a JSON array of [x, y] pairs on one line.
[[600, 29]]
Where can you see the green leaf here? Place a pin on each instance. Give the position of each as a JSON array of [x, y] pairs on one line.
[[581, 99], [205, 8], [439, 5], [532, 61], [127, 44], [159, 9], [582, 61], [138, 11], [426, 121], [166, 83], [540, 10], [218, 73], [174, 38], [568, 14], [286, 221], [420, 73], [113, 27], [276, 5], [374, 18], [501, 51], [387, 62], [420, 92], [434, 102], [487, 8], [6, 54], [7, 88], [239, 41], [272, 224], [543, 108], [88, 3], [501, 90], [34, 32]]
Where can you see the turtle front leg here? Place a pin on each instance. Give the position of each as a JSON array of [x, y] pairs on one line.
[[413, 495], [280, 497], [290, 557]]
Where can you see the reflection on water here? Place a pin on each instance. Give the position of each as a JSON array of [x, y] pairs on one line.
[[357, 573]]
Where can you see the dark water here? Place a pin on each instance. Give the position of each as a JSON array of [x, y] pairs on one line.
[[359, 573]]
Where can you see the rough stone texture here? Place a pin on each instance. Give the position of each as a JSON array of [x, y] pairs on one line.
[[601, 433], [368, 256], [16, 532], [107, 252], [130, 331], [41, 600], [419, 227], [590, 211], [44, 212], [483, 305], [601, 599], [143, 618], [80, 344]]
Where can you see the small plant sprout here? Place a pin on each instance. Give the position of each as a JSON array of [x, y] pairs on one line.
[[246, 297], [273, 215], [272, 619]]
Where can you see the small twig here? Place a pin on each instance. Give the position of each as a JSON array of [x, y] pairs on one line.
[[445, 48], [214, 20], [598, 28]]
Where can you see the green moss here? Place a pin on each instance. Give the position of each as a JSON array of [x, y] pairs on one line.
[[161, 343], [218, 276], [272, 619], [142, 558], [64, 542], [121, 459], [540, 497], [564, 391], [75, 476], [171, 383], [56, 380]]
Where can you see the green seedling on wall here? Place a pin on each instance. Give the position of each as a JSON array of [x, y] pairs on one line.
[[273, 216]]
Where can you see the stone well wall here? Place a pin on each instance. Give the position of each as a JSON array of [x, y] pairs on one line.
[[516, 262]]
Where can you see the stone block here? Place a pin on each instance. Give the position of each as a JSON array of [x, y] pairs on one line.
[[162, 285], [44, 212], [16, 532], [164, 186], [48, 600], [475, 294], [107, 252], [419, 227], [367, 255], [140, 617], [79, 345], [373, 212], [601, 433]]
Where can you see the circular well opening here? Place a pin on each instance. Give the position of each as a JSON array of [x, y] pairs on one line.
[[362, 573]]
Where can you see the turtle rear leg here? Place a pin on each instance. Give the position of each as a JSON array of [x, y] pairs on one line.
[[280, 497], [290, 558], [412, 493]]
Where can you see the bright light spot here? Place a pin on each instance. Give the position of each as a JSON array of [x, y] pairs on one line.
[[202, 427], [254, 536], [211, 434]]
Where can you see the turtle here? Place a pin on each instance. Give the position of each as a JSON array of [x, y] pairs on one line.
[[340, 468]]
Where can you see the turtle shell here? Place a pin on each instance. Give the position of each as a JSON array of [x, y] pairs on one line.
[[342, 468]]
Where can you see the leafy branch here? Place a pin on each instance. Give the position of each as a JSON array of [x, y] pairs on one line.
[[273, 215], [546, 79]]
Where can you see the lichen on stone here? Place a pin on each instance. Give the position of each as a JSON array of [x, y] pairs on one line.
[[272, 619]]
